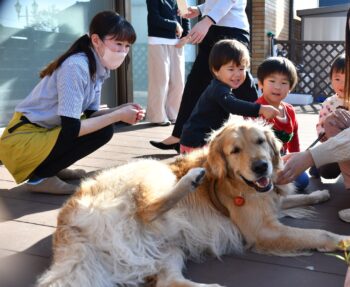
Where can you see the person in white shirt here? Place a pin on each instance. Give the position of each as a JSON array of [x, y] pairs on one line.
[[221, 19]]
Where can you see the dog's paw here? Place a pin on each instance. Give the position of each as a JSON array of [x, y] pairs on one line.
[[195, 175], [335, 242], [320, 195]]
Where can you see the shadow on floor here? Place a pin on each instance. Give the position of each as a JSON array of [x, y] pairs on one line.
[[32, 262]]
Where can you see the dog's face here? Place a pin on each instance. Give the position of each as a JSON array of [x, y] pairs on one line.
[[245, 150]]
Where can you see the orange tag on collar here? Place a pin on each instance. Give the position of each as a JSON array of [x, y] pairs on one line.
[[239, 200]]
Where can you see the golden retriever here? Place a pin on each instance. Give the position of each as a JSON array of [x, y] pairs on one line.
[[144, 219]]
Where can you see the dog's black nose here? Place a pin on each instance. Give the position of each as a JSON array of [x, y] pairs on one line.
[[259, 166]]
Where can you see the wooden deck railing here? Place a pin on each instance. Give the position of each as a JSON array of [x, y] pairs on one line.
[[313, 60]]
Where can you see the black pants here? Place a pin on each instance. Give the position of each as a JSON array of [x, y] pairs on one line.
[[200, 75], [330, 170], [68, 151]]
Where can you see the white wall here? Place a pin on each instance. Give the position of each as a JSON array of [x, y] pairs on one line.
[[304, 4], [324, 28]]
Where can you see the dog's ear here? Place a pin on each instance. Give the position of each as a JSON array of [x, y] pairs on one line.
[[275, 147], [216, 161]]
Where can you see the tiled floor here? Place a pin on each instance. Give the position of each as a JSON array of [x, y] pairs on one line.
[[28, 220]]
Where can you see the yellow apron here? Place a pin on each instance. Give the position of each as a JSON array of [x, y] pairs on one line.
[[23, 150]]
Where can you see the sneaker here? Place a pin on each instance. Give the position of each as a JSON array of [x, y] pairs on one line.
[[344, 215], [52, 185], [71, 174]]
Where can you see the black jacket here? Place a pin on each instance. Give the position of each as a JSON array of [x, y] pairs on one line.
[[162, 17], [213, 108]]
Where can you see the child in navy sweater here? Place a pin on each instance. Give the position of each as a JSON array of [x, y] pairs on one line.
[[228, 61]]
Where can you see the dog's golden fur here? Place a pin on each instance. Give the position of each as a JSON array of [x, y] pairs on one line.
[[146, 217]]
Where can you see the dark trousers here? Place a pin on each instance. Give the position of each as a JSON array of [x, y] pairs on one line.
[[330, 170], [68, 151], [200, 75]]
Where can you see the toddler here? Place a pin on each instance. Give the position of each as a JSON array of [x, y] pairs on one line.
[[228, 62], [337, 76], [277, 76]]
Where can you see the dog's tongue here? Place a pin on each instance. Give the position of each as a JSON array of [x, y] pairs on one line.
[[263, 181]]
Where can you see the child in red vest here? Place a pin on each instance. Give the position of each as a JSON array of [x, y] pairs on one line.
[[277, 76]]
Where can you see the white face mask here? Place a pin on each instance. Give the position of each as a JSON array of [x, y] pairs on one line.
[[112, 60]]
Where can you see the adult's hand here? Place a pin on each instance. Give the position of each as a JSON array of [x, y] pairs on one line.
[[198, 32], [295, 163], [192, 12], [130, 113]]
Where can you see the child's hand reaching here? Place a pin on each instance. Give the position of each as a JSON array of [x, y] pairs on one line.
[[183, 41], [179, 30], [268, 112]]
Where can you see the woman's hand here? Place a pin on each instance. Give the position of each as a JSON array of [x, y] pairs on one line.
[[199, 31], [295, 164], [192, 12], [130, 113]]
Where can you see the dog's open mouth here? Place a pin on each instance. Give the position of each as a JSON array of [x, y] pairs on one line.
[[263, 184]]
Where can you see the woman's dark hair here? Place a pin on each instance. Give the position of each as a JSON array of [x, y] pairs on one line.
[[226, 51], [106, 23], [279, 65], [338, 65]]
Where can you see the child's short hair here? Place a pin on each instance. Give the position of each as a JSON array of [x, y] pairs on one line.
[[338, 65], [279, 65], [226, 51]]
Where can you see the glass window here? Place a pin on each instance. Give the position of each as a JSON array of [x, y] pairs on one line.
[[140, 51], [33, 33]]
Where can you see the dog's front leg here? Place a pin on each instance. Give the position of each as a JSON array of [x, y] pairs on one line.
[[296, 200], [171, 272], [280, 239], [151, 208]]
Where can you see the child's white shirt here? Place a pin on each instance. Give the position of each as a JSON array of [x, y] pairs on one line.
[[328, 106]]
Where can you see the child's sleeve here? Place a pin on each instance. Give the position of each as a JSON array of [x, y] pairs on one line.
[[156, 19], [327, 107], [238, 107]]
